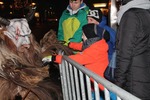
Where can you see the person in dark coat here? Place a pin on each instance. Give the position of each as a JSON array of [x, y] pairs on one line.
[[133, 48]]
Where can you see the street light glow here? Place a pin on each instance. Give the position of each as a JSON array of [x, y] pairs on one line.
[[99, 4], [1, 3]]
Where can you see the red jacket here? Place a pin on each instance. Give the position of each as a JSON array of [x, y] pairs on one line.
[[95, 57]]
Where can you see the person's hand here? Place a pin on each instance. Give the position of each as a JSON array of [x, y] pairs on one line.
[[68, 44], [46, 60], [62, 42]]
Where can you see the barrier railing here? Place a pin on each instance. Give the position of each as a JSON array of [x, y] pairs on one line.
[[76, 84]]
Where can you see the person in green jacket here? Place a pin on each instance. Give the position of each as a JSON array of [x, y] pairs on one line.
[[71, 21]]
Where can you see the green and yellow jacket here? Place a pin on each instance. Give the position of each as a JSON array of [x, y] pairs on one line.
[[70, 24]]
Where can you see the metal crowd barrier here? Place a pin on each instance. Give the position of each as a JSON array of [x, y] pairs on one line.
[[76, 84]]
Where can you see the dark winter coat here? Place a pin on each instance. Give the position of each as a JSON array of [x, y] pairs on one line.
[[133, 53]]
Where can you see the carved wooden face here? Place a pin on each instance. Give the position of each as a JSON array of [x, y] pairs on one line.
[[18, 31]]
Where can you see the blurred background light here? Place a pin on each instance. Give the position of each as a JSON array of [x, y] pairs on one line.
[[99, 5]]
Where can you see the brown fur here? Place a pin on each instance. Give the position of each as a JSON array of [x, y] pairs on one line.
[[50, 44], [22, 74]]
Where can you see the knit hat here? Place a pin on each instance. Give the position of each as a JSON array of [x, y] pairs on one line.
[[96, 14], [90, 30]]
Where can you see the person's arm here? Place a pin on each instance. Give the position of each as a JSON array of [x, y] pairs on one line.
[[58, 58], [60, 34], [112, 32], [126, 38], [83, 57], [75, 46], [90, 54]]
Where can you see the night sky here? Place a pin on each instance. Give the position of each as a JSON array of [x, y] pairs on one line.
[[57, 5]]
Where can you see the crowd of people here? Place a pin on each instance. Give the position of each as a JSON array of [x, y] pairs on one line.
[[86, 29]]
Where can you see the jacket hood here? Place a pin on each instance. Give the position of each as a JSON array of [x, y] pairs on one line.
[[143, 4], [82, 6]]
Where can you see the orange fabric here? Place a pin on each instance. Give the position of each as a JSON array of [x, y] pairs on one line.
[[75, 46], [58, 59], [95, 58]]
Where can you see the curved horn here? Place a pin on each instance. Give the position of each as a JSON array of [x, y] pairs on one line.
[[31, 13], [4, 21]]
